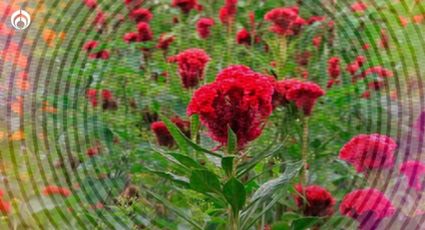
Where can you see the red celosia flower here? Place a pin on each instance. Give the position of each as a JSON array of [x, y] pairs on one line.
[[100, 19], [333, 67], [358, 7], [131, 37], [203, 27], [103, 54], [303, 58], [141, 15], [420, 124], [376, 84], [56, 190], [93, 151], [403, 21], [145, 32], [239, 98], [92, 4], [90, 45], [165, 41], [185, 5], [366, 94], [285, 20], [378, 70], [366, 152], [367, 206], [164, 136], [92, 96], [281, 88], [243, 37], [415, 173], [319, 201], [5, 207], [317, 41], [106, 96], [192, 63], [228, 11], [353, 67], [305, 95]]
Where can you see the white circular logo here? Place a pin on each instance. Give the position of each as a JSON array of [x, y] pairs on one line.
[[20, 19]]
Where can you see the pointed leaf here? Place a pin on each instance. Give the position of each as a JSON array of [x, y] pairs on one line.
[[176, 133], [235, 194], [227, 164], [231, 141], [204, 181], [186, 161]]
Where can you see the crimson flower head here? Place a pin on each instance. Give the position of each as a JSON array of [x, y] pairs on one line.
[[100, 19], [378, 70], [203, 27], [90, 45], [414, 171], [239, 98], [367, 206], [103, 54], [367, 152], [281, 88], [228, 11], [92, 4], [304, 95], [319, 201], [56, 190], [163, 135], [141, 15], [303, 58], [243, 37], [333, 67], [191, 63], [165, 41], [145, 32], [285, 20], [5, 207], [131, 37], [185, 5]]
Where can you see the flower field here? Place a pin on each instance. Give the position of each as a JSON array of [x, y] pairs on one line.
[[213, 114]]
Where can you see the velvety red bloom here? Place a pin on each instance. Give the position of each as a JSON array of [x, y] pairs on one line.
[[319, 201], [367, 152], [243, 37], [92, 4], [5, 207], [192, 63], [358, 7], [93, 151], [367, 206], [165, 41], [376, 84], [145, 32], [103, 54], [56, 190], [203, 27], [185, 5], [164, 136], [228, 11], [415, 173], [285, 20], [92, 96], [100, 19], [281, 88], [317, 41], [303, 58], [353, 67], [107, 99], [90, 45], [366, 94], [334, 70], [141, 15], [131, 37], [239, 98], [304, 95]]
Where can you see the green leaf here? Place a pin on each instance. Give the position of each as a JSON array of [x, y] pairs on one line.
[[176, 133], [235, 194], [172, 177], [231, 141], [304, 223], [244, 168], [176, 210], [194, 126], [227, 164], [186, 161], [281, 225], [204, 181]]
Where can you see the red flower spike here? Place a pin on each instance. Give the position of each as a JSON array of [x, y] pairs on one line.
[[334, 70], [90, 45], [192, 63], [319, 201], [367, 206], [203, 27], [145, 32], [239, 98], [285, 21], [414, 171], [5, 207], [92, 4], [131, 37], [367, 152], [185, 5], [141, 15], [163, 135]]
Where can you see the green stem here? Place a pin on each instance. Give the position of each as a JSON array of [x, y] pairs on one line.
[[234, 220], [304, 151], [282, 54]]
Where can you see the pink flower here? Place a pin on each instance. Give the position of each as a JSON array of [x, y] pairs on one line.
[[100, 19], [192, 63], [367, 206], [334, 70], [203, 27], [415, 173], [141, 15], [367, 152], [145, 32], [164, 136], [319, 202], [239, 98], [243, 37]]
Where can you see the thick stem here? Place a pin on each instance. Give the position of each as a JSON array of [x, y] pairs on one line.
[[282, 54], [229, 41], [304, 151], [234, 220]]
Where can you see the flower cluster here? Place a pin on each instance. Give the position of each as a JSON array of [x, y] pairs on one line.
[[239, 98], [354, 66], [367, 152], [90, 46], [414, 171], [185, 5], [286, 21], [203, 27], [228, 11], [334, 71], [192, 63], [108, 101], [314, 200], [163, 135]]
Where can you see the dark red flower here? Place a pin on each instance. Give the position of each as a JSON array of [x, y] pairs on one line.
[[317, 41], [415, 173], [141, 15], [378, 70], [367, 206], [420, 124], [100, 19], [165, 41], [103, 54], [376, 84], [192, 63], [228, 11], [281, 88], [303, 58], [56, 190], [92, 96], [304, 95], [92, 4], [145, 32], [243, 37], [385, 39], [367, 152], [319, 201], [5, 207], [90, 45], [285, 20], [239, 98], [203, 27], [164, 136], [334, 70], [353, 67], [93, 151], [131, 37], [185, 5], [358, 7]]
